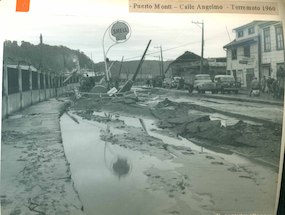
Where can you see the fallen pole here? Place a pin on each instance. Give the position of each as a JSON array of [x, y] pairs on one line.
[[128, 85]]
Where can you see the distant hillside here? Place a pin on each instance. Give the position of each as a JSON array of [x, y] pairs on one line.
[[150, 68], [57, 59]]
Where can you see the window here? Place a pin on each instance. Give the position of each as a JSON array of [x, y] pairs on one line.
[[25, 80], [13, 80], [267, 44], [279, 37], [251, 30], [234, 54], [240, 34], [246, 51], [35, 83]]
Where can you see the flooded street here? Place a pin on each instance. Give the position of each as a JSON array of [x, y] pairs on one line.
[[126, 165], [100, 187]]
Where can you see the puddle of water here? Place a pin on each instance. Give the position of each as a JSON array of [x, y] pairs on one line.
[[109, 178], [180, 141], [151, 128]]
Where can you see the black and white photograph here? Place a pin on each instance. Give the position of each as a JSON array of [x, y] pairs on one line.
[[111, 112]]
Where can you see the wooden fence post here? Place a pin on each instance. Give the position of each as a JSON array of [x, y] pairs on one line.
[[31, 83], [39, 84], [20, 86], [6, 94]]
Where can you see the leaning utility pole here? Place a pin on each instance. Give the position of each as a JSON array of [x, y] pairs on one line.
[[202, 45]]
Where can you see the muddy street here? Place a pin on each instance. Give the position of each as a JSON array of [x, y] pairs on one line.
[[150, 153]]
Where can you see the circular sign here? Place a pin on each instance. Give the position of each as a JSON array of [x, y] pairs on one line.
[[120, 30]]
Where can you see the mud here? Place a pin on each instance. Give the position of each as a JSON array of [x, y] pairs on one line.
[[259, 141], [35, 175], [203, 183]]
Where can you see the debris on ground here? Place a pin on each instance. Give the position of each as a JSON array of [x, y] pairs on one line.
[[182, 119]]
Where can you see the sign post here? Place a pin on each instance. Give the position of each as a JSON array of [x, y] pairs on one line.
[[119, 32]]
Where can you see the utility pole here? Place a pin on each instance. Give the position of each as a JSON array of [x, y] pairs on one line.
[[119, 75], [41, 51], [202, 45], [161, 60], [161, 57]]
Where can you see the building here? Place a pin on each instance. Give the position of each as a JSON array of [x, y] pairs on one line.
[[256, 51], [187, 64], [217, 66], [272, 48]]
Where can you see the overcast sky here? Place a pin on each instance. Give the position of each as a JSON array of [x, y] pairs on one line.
[[81, 25]]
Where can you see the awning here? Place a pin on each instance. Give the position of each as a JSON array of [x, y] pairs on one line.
[[243, 42]]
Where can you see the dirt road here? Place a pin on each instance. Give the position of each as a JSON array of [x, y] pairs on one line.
[[150, 135], [35, 175]]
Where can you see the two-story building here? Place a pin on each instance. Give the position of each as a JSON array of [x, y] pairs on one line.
[[256, 51], [272, 48]]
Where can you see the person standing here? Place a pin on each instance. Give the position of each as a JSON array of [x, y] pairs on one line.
[[275, 89], [254, 85], [280, 78], [269, 82], [263, 84]]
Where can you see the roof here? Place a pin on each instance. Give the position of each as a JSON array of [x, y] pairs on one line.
[[256, 22], [246, 41], [187, 57], [23, 67], [260, 23], [265, 24]]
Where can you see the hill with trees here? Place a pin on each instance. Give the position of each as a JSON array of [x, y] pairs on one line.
[[55, 59], [61, 59]]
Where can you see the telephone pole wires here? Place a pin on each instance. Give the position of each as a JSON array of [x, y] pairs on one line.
[[202, 45]]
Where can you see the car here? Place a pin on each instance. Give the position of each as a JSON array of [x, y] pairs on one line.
[[175, 81], [167, 83], [203, 82], [226, 83]]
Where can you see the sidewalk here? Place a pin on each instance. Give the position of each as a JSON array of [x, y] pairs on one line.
[[243, 96], [36, 177]]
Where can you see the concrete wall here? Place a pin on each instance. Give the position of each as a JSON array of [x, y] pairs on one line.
[[42, 95], [12, 102], [26, 99], [35, 96], [4, 106], [17, 101]]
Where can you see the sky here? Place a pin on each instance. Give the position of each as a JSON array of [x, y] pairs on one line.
[[80, 25]]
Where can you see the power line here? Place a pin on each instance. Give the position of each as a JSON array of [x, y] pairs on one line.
[[156, 52], [176, 47]]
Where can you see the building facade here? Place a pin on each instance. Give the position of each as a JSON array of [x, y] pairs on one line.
[[256, 51]]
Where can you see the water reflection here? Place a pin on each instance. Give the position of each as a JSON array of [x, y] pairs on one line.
[[120, 166]]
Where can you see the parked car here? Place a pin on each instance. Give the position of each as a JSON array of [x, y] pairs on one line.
[[203, 82], [175, 81], [226, 83], [167, 83]]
